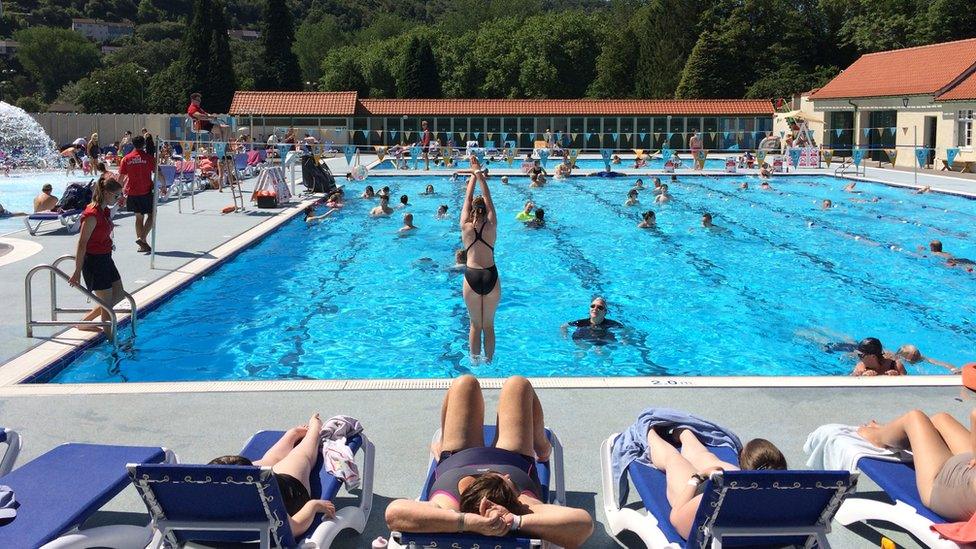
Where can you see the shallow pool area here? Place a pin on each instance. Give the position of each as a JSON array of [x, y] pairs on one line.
[[17, 192], [763, 295]]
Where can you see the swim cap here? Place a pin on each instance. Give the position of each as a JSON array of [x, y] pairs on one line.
[[870, 346]]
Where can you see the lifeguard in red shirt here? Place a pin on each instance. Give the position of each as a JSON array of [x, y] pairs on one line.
[[136, 170], [202, 120]]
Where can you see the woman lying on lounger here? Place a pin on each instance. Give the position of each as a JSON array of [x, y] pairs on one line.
[[688, 469], [943, 451], [291, 460], [491, 490]]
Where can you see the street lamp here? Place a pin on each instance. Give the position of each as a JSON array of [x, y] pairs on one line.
[[144, 73]]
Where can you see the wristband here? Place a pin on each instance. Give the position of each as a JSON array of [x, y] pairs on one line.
[[460, 522], [516, 523]]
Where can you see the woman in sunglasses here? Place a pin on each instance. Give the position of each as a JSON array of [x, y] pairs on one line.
[[491, 487], [873, 361], [481, 288], [596, 328]]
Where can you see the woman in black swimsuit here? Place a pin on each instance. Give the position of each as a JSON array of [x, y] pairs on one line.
[[491, 490], [291, 460], [481, 288]]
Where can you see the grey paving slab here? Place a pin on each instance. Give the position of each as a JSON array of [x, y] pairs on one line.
[[201, 426]]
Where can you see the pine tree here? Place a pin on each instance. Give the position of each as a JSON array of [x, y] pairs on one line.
[[706, 73], [616, 66], [221, 80], [668, 32], [420, 77], [280, 70], [195, 54]]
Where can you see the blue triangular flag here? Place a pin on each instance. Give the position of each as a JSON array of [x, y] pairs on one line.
[[866, 131], [393, 134], [415, 155], [795, 157], [951, 154], [642, 136], [726, 134], [477, 135], [220, 148], [734, 147], [838, 131], [544, 156], [857, 156], [614, 136], [348, 150], [922, 156], [588, 136], [606, 154]]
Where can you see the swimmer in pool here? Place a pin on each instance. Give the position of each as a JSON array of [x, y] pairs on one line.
[[924, 190], [311, 218], [460, 258], [539, 221], [631, 198], [615, 159], [648, 220], [596, 328], [368, 192], [706, 220], [639, 185], [404, 201], [849, 188], [385, 191], [429, 190], [441, 211], [526, 213], [873, 362], [765, 172], [827, 204], [383, 209], [744, 186], [407, 223], [765, 186], [504, 180], [664, 197], [657, 185]]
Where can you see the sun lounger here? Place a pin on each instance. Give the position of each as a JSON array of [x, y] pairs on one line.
[[897, 479], [738, 508], [168, 177], [61, 489], [69, 219], [12, 441], [553, 488], [967, 166], [233, 503]]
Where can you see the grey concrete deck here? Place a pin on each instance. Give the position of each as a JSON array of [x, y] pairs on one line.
[[201, 426]]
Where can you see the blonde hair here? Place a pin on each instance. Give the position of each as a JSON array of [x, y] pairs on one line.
[[910, 353], [102, 186]]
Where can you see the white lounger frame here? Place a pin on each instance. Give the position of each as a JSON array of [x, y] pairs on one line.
[[118, 536], [72, 222], [899, 513], [11, 452]]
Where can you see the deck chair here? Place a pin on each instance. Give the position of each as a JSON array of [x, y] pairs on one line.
[[240, 165], [738, 508], [167, 174], [550, 473], [61, 489], [11, 441], [907, 511], [69, 219], [186, 175], [221, 503]]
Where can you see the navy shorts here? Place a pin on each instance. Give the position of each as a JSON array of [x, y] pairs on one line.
[[141, 204], [99, 272]]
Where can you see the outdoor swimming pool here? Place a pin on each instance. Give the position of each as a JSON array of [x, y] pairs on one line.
[[585, 164], [349, 298], [18, 190]]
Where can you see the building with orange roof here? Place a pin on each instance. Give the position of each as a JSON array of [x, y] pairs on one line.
[[921, 97], [579, 123]]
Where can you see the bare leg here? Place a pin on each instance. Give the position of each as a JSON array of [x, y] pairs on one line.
[[490, 305], [98, 312], [955, 434], [300, 461], [474, 302], [913, 430], [699, 456], [521, 425], [283, 447], [681, 495], [462, 416]]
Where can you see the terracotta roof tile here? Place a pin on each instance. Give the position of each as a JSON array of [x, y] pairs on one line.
[[561, 107], [964, 90], [294, 103], [910, 71]]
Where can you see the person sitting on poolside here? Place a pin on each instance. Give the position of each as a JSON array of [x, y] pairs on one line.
[[911, 353], [687, 469], [368, 192], [407, 223], [539, 221], [441, 211], [45, 202], [491, 490], [663, 196], [428, 190], [648, 220], [311, 218], [526, 213], [827, 204], [631, 198], [639, 162], [383, 209], [873, 362], [943, 454], [291, 460], [596, 328]]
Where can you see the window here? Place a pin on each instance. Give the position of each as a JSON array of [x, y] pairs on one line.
[[593, 128], [965, 128]]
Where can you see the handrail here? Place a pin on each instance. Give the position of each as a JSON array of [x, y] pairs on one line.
[[55, 272]]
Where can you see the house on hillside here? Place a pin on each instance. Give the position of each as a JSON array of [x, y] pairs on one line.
[[102, 31]]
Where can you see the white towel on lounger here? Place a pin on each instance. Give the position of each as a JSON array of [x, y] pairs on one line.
[[837, 447]]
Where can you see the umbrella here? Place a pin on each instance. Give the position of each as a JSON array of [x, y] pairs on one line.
[[809, 117]]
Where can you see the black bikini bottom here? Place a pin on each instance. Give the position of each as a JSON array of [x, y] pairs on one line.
[[482, 281]]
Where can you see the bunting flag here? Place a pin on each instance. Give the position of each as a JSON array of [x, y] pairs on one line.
[[670, 135], [726, 134], [573, 154], [880, 131], [462, 137], [734, 147], [407, 135], [588, 136], [477, 135], [951, 153], [380, 152], [713, 135], [922, 156], [509, 158], [795, 156], [393, 134], [489, 136], [509, 144], [654, 137], [544, 157], [666, 153], [627, 137], [559, 137], [760, 156], [379, 133], [866, 131], [347, 150], [479, 153], [574, 136], [415, 155], [828, 155], [642, 135], [857, 155], [838, 131], [220, 148], [364, 133], [892, 155], [606, 154]]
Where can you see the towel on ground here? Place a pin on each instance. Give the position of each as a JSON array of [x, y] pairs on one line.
[[632, 444], [959, 532], [340, 427], [837, 447]]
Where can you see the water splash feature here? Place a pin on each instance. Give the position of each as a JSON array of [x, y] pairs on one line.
[[23, 142]]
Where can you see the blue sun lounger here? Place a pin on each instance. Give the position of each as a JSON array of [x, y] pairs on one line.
[[12, 441], [69, 219], [907, 511], [550, 473], [231, 503], [738, 508], [61, 489]]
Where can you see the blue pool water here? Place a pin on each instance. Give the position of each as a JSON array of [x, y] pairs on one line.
[[585, 164], [350, 298], [18, 190]]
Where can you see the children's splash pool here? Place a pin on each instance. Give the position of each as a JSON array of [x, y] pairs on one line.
[[766, 294]]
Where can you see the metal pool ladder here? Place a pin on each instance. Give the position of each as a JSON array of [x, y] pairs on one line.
[[841, 171], [55, 273]]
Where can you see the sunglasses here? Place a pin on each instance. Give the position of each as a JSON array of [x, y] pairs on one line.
[[597, 306]]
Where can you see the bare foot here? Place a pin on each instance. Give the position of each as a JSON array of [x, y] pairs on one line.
[[871, 432], [87, 328], [315, 423]]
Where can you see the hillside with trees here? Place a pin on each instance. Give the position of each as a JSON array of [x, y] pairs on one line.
[[458, 48]]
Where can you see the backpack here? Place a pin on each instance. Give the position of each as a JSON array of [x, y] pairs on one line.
[[76, 196]]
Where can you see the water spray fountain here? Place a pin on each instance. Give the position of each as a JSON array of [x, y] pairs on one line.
[[23, 142]]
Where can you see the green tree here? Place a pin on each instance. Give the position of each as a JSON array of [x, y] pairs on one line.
[[616, 65], [153, 55], [195, 52], [149, 13], [667, 31], [165, 93], [280, 70], [342, 72], [32, 103], [419, 77], [951, 20], [313, 40], [221, 81], [54, 57], [114, 89], [707, 73]]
